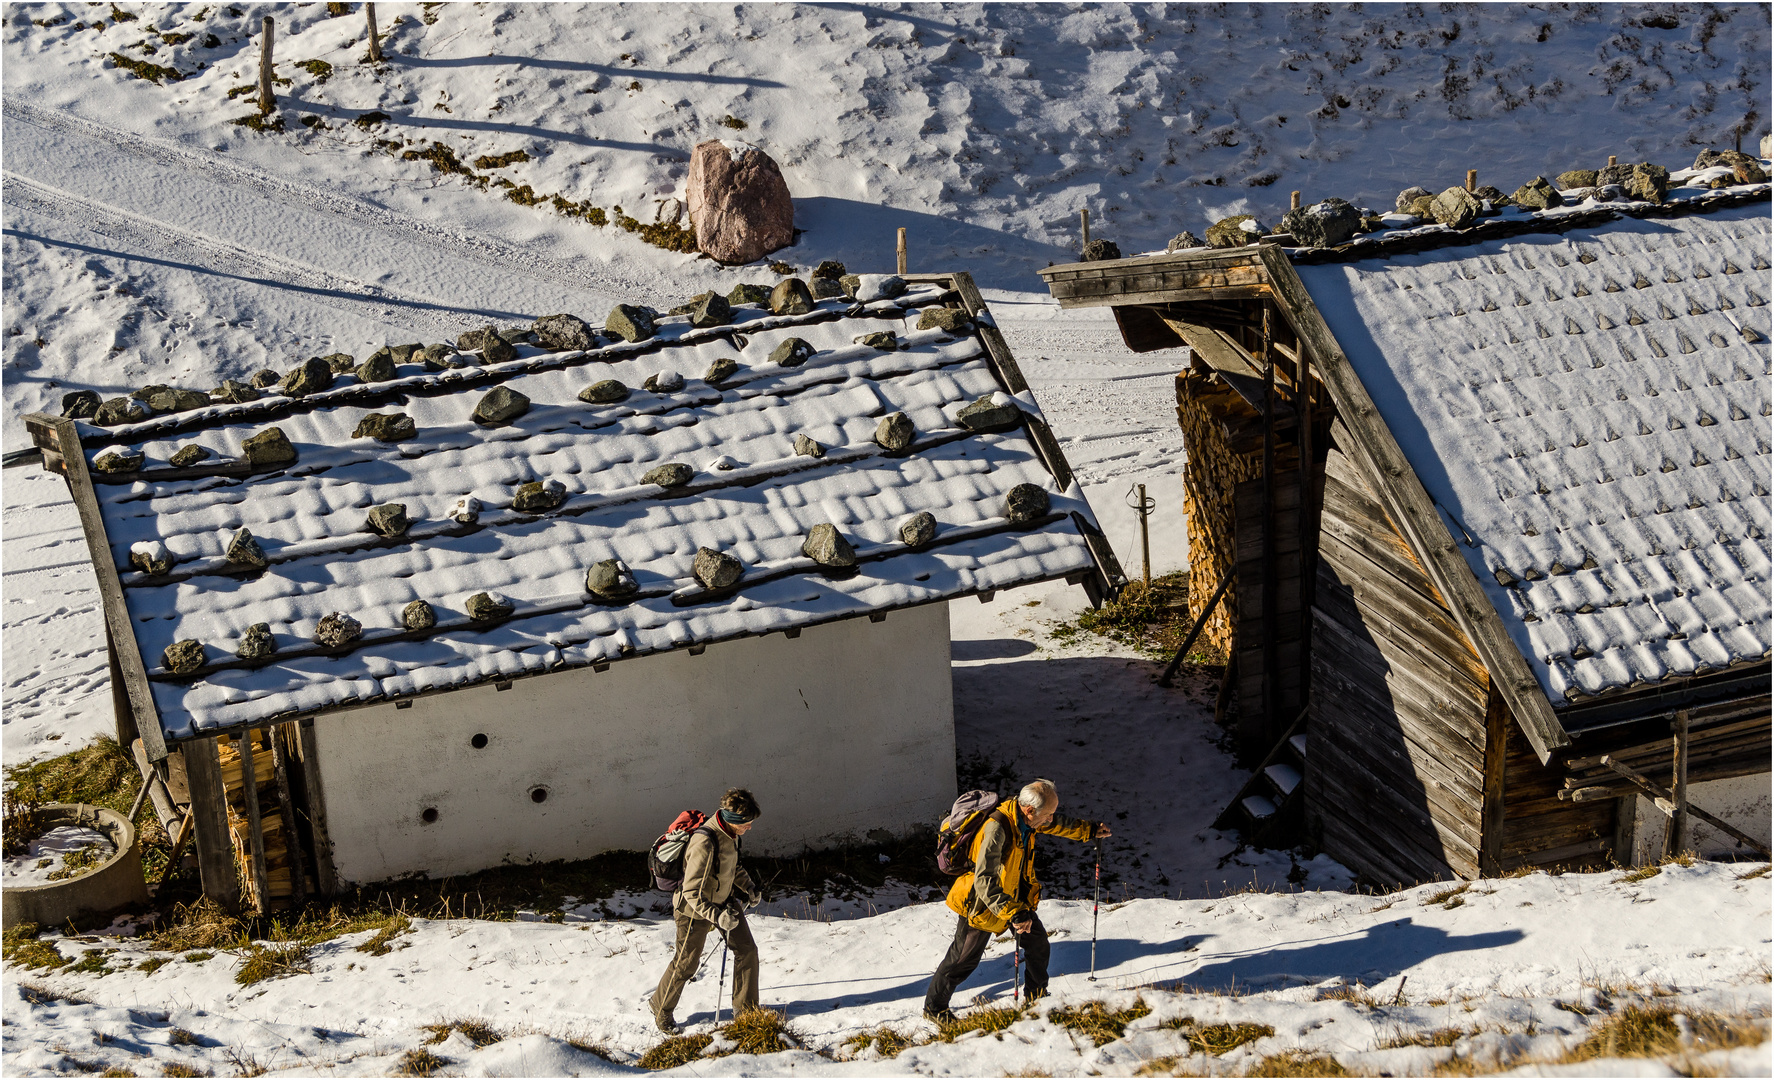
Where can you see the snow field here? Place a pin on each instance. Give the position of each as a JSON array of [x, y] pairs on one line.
[[1522, 968]]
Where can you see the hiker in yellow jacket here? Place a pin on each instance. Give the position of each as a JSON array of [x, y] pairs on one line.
[[1001, 890]]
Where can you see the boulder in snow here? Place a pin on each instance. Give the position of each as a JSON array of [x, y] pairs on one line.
[[948, 319], [630, 322], [80, 405], [118, 459], [894, 432], [826, 546], [538, 496], [1456, 208], [389, 519], [739, 203], [1100, 251], [337, 629], [418, 615], [663, 382], [119, 411], [791, 352], [671, 474], [610, 580], [805, 447], [791, 297], [501, 405], [716, 569], [603, 392], [268, 447], [244, 550], [309, 377], [188, 455], [1183, 241], [992, 412], [885, 340], [257, 643], [150, 557], [749, 294], [561, 332], [385, 427], [918, 529], [183, 657], [486, 606], [1537, 194], [1025, 503], [1323, 224], [378, 368], [720, 371]]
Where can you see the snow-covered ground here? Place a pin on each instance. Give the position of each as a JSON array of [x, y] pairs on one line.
[[148, 239], [1515, 968]]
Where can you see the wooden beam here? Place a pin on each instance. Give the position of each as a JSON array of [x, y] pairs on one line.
[[255, 832], [60, 440], [286, 808], [121, 711], [1678, 821], [1496, 757], [1160, 295], [324, 879], [1664, 800], [209, 812], [1271, 542], [1406, 501]]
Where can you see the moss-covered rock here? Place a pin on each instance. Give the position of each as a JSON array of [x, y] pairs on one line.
[[539, 496], [385, 427], [630, 322], [418, 615], [267, 448], [501, 405], [1026, 503], [257, 643], [610, 580], [917, 530], [791, 352], [188, 455], [244, 550], [720, 371], [487, 606], [604, 392], [671, 474], [183, 657], [309, 377], [389, 519]]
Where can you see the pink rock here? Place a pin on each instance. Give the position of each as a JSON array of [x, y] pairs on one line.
[[739, 204]]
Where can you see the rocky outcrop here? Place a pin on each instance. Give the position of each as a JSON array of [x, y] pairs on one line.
[[826, 546], [1408, 198], [1456, 208], [669, 475], [604, 392], [1648, 182], [1323, 224], [716, 569], [917, 530], [337, 629], [309, 377], [183, 657], [739, 203], [385, 427], [894, 432], [563, 332], [610, 580], [389, 519], [1537, 194], [791, 352], [1025, 503], [501, 405], [791, 297], [418, 615], [487, 606], [267, 448]]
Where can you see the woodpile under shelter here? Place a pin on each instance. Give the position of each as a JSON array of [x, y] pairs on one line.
[[1490, 508], [525, 605]]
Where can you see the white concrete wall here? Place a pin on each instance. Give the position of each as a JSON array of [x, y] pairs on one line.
[[847, 730], [1742, 801]]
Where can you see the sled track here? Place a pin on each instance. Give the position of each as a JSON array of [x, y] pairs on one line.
[[136, 233], [484, 249]]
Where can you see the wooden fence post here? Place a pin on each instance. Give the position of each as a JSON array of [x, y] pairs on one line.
[[1294, 201], [267, 97], [1678, 818], [1084, 220], [902, 254], [369, 11], [1471, 179]]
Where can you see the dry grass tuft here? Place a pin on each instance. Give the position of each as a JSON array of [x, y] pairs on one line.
[[173, 1068], [420, 1062], [1217, 1039], [1448, 898], [1103, 1024], [272, 962], [1167, 1066], [1030, 1071], [675, 1051], [1643, 873], [378, 945], [884, 1039], [1447, 1036], [22, 947], [1760, 871], [1297, 1063], [199, 925], [478, 1032], [989, 1019], [180, 1037], [1634, 1031], [760, 1031]]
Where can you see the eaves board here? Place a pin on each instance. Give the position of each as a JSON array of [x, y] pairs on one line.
[[1380, 458]]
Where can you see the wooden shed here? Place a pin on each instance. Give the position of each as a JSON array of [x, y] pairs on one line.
[[463, 609], [1535, 461]]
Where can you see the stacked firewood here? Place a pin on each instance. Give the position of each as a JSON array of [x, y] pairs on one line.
[[1212, 416], [278, 879]]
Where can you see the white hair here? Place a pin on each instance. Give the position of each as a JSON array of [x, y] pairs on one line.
[[1036, 794]]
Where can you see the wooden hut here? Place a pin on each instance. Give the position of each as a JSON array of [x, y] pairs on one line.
[[463, 610], [1526, 592]]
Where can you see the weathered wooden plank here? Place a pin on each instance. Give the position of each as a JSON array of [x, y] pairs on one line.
[[1399, 612], [1495, 758], [324, 878], [1403, 765], [209, 811], [1192, 260], [64, 437], [1397, 683], [1161, 296], [1424, 838], [255, 834], [1144, 330], [1584, 854], [1389, 473], [1700, 739], [286, 808]]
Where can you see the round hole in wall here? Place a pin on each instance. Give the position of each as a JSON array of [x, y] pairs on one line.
[[479, 742], [539, 794], [428, 815]]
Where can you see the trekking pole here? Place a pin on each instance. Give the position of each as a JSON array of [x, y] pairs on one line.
[[721, 983], [1096, 906], [1016, 978]]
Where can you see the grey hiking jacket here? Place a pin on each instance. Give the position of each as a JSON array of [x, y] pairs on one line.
[[712, 874]]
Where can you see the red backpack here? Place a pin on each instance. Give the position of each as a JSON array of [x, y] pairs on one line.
[[665, 859]]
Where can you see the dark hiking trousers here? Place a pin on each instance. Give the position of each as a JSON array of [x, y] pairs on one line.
[[963, 956]]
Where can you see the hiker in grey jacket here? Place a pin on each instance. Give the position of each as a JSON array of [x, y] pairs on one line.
[[715, 893]]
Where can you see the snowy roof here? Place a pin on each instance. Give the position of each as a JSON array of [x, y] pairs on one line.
[[1590, 410], [751, 496]]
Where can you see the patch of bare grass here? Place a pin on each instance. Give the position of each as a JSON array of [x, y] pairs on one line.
[[1102, 1024], [276, 961], [1448, 898], [420, 1062], [378, 945], [760, 1031], [888, 1042], [198, 925], [675, 1051], [1446, 1036], [990, 1018], [1643, 873], [478, 1032], [1217, 1039], [173, 1068], [1297, 1063]]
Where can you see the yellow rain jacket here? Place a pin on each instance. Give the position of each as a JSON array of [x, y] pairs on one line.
[[1002, 881]]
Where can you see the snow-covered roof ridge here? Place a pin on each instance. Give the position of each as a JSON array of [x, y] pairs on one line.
[[1589, 408], [498, 528], [1587, 214]]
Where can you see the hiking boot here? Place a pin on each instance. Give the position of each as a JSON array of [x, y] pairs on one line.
[[665, 1023], [940, 1016]]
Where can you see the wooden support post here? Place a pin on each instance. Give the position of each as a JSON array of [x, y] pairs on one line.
[[1195, 632], [249, 794], [1294, 201], [1145, 510], [121, 710], [286, 807], [1496, 756], [267, 97], [1271, 606], [1611, 159], [1471, 179], [178, 848], [369, 13], [902, 254], [1084, 219], [1308, 533], [1678, 821], [209, 812], [1663, 799], [323, 846]]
